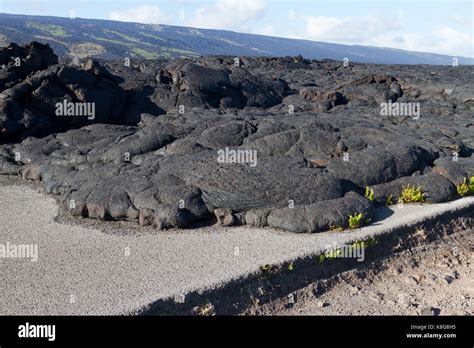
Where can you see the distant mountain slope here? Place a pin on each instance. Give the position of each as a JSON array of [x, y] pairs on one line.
[[117, 40]]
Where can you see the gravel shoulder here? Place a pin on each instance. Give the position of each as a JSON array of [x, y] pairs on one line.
[[84, 267]]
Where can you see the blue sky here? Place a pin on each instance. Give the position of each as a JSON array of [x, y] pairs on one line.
[[443, 26]]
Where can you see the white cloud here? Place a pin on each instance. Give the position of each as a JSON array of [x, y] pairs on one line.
[[450, 41], [387, 32], [268, 30], [229, 14], [375, 30], [147, 14], [444, 40], [350, 29]]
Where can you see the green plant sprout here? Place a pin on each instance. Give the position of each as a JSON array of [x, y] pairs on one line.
[[466, 188], [412, 194], [463, 188], [369, 194], [355, 221]]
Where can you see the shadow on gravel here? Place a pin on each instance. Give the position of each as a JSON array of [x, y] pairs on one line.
[[381, 214], [279, 282]]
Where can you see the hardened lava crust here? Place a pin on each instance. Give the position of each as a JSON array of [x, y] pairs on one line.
[[290, 143]]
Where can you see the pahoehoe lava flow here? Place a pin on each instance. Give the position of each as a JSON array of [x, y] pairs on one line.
[[150, 153]]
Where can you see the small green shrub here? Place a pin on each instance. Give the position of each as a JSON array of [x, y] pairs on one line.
[[412, 194], [355, 221], [369, 194], [463, 188], [466, 188]]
